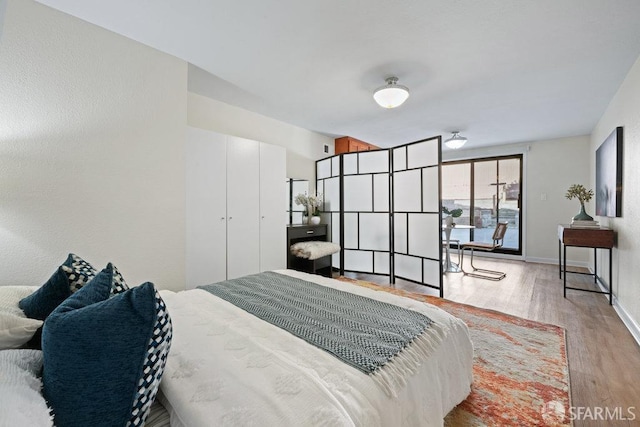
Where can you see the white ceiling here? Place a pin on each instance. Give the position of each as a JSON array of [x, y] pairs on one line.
[[500, 71]]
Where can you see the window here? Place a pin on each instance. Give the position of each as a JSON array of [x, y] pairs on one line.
[[488, 191]]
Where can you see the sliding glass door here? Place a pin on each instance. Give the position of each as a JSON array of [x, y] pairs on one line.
[[488, 191], [456, 194]]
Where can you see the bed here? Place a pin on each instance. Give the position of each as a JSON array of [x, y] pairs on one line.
[[220, 363], [229, 367]]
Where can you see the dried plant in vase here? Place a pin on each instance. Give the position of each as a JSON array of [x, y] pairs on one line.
[[577, 191], [311, 205]]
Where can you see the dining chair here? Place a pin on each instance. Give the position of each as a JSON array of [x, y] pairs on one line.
[[498, 240]]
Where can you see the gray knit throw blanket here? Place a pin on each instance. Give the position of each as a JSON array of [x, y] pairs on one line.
[[380, 339]]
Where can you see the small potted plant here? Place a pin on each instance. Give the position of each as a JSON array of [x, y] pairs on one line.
[[577, 191], [453, 213]]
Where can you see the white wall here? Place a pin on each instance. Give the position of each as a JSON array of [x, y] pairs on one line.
[[304, 147], [550, 167], [92, 127], [624, 110]]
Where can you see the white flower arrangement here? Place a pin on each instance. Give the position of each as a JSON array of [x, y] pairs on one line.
[[311, 203]]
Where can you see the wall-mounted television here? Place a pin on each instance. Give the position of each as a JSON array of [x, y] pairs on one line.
[[609, 175]]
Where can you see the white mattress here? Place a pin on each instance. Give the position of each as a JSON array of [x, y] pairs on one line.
[[227, 367]]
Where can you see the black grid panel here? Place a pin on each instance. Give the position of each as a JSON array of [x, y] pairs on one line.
[[356, 195], [383, 207]]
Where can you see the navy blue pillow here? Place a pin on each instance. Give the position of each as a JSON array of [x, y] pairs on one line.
[[104, 356], [68, 278]]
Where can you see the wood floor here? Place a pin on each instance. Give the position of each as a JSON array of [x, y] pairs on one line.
[[604, 359]]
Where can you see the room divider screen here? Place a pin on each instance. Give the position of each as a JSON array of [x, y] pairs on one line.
[[383, 207]]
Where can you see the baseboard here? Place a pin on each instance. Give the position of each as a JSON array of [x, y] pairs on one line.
[[628, 321]]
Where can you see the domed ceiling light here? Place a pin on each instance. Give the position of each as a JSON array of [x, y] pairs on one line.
[[392, 94], [456, 141]]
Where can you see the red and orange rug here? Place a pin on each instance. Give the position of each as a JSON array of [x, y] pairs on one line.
[[520, 370]]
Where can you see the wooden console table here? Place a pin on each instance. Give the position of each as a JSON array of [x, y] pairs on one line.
[[596, 238]]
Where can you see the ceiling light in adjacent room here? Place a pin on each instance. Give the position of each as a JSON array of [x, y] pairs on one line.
[[456, 141], [392, 94]]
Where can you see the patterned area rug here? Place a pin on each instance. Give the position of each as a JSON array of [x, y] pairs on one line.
[[520, 370]]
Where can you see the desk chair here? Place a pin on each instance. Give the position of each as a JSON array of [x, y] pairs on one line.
[[498, 239]]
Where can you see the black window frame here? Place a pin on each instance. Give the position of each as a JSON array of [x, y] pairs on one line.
[[472, 162]]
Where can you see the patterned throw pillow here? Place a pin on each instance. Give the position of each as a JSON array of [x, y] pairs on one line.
[[78, 271], [154, 364], [118, 285], [108, 351], [68, 278]]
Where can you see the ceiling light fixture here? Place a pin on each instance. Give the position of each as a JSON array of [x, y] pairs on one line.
[[456, 141], [392, 94]]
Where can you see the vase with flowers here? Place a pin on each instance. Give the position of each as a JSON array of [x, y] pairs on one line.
[[311, 204], [577, 191]]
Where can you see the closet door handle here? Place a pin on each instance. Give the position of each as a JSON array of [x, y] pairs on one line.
[[221, 218], [230, 218]]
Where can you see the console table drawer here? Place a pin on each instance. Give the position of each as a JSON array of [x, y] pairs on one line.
[[307, 231], [586, 237]]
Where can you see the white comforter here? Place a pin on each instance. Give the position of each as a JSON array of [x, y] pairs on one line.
[[227, 367]]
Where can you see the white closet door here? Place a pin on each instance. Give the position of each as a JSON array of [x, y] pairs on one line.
[[243, 207], [206, 221], [273, 216]]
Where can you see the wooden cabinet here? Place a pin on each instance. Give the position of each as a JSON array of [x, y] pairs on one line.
[[235, 216], [348, 144]]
